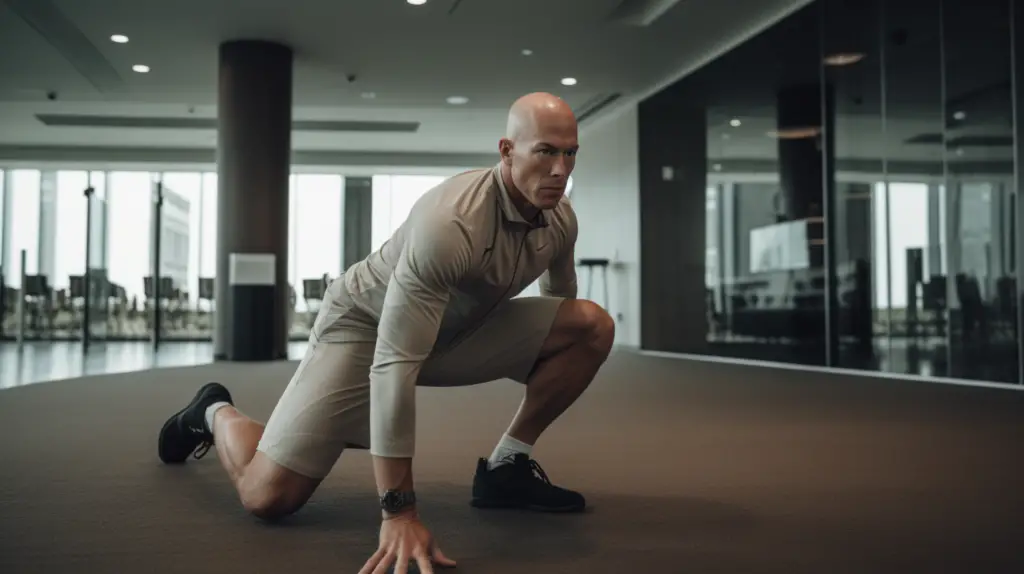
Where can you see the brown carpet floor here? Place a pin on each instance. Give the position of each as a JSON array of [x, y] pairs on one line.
[[689, 468]]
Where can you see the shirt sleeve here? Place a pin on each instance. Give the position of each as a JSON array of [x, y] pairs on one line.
[[435, 257], [559, 280]]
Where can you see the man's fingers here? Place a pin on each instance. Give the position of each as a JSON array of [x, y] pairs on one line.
[[385, 563], [424, 563], [440, 559], [402, 563], [372, 562]]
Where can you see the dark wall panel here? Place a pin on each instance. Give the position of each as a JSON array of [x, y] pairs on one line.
[[673, 181]]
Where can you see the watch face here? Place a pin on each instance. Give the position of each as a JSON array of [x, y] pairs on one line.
[[392, 501]]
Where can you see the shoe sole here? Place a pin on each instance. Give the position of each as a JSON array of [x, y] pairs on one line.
[[511, 505], [173, 420]]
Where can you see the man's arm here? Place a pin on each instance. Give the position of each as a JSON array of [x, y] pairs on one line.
[[435, 257], [560, 278]]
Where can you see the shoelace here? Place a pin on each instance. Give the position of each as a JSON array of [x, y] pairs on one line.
[[202, 449], [534, 467], [539, 472]]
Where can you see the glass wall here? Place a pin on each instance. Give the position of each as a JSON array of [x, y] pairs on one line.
[[860, 195]]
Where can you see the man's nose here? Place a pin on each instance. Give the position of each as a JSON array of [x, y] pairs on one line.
[[560, 167]]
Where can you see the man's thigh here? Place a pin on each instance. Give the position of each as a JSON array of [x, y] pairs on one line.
[[324, 409], [507, 345]]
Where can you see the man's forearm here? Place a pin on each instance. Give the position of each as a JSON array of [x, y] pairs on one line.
[[393, 474]]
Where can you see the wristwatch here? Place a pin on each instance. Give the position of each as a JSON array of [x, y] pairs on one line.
[[395, 501]]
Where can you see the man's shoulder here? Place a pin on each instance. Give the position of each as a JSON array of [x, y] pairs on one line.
[[461, 205], [466, 195]]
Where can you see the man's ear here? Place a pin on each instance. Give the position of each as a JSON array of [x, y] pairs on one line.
[[505, 149]]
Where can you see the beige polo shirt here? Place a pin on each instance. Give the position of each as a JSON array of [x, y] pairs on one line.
[[463, 250]]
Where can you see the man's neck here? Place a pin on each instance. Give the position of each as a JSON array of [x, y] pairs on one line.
[[524, 207]]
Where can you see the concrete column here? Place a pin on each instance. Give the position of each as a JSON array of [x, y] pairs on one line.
[[253, 164]]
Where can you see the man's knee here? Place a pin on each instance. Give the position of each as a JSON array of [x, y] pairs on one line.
[[272, 503], [592, 325], [271, 492]]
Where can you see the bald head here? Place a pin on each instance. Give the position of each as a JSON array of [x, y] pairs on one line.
[[538, 151], [533, 112]]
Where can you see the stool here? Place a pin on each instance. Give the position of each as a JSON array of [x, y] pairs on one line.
[[602, 264]]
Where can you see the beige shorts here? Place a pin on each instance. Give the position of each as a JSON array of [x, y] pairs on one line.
[[326, 406]]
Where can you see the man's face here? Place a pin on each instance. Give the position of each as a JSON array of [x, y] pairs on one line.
[[542, 160]]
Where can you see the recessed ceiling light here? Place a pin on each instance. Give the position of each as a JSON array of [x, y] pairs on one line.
[[140, 68], [118, 38], [844, 59], [417, 2], [735, 122], [568, 81], [527, 52], [369, 95], [959, 116], [458, 100]]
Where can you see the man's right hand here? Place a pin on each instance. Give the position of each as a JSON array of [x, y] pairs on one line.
[[404, 538]]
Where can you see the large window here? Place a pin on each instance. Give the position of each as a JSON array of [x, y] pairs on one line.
[[393, 198], [62, 229], [208, 227], [183, 216], [130, 236], [315, 243], [71, 206], [24, 187]]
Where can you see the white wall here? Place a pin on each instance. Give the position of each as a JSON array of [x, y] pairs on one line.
[[606, 197]]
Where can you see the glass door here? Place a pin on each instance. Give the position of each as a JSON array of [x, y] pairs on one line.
[[98, 292]]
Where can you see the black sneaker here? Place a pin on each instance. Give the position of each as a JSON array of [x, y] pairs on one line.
[[520, 482], [185, 433]]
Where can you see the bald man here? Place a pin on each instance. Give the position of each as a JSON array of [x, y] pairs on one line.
[[433, 306]]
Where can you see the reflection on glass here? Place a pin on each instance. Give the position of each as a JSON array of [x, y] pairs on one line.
[[908, 221], [903, 122], [854, 103], [764, 263], [979, 147]]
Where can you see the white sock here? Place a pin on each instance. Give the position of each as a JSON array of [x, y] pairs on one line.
[[507, 447], [212, 410]]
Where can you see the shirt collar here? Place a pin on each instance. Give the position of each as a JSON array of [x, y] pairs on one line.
[[509, 208]]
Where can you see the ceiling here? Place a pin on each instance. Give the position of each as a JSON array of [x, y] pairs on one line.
[[56, 58]]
